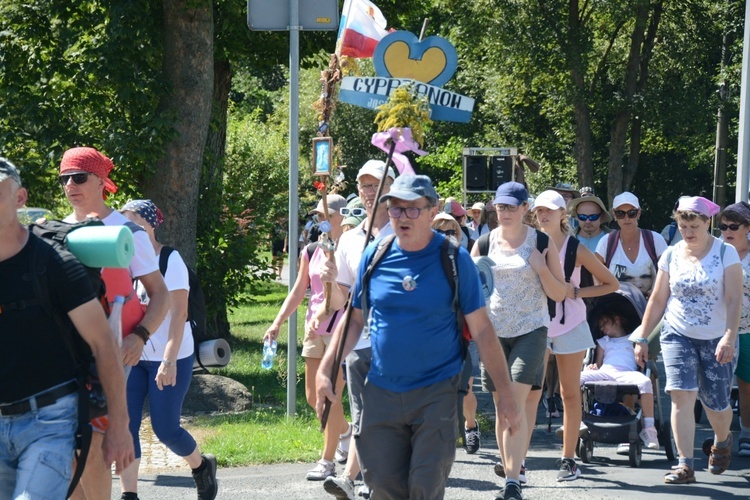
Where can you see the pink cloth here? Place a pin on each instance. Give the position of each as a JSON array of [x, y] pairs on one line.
[[404, 143], [698, 204]]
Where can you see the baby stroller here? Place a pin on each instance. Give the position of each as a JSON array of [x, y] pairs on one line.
[[607, 420]]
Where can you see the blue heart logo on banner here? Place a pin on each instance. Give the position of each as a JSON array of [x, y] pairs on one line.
[[401, 55]]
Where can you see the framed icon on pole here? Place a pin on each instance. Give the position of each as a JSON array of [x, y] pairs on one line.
[[322, 155]]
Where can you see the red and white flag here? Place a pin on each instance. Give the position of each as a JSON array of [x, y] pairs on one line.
[[362, 27]]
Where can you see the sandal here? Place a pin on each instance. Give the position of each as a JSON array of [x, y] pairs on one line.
[[681, 475], [719, 459]]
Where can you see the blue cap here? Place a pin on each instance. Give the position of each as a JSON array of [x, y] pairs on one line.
[[411, 187], [510, 193]]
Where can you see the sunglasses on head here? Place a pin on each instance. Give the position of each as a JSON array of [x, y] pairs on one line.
[[79, 178], [356, 211], [731, 227], [631, 214], [592, 217], [447, 232]]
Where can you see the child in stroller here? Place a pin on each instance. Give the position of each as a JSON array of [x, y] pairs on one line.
[[614, 361]]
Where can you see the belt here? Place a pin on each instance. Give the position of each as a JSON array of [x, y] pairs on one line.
[[42, 399]]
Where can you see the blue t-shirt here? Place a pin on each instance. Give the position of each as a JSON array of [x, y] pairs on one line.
[[415, 338]]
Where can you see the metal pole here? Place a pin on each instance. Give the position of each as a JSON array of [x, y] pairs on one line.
[[291, 384], [743, 144]]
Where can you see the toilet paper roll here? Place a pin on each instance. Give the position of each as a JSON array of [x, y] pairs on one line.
[[102, 246], [214, 353], [484, 266]]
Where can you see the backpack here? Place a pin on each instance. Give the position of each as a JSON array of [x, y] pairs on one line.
[[542, 241], [91, 400], [448, 252], [196, 302], [648, 241]]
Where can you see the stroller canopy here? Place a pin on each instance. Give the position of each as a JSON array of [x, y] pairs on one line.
[[628, 301]]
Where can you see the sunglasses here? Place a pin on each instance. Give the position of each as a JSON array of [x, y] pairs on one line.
[[503, 207], [447, 232], [631, 214], [731, 227], [80, 178], [356, 211], [592, 217]]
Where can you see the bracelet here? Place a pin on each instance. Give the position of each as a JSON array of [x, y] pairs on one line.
[[640, 340], [168, 363], [575, 292], [142, 332]]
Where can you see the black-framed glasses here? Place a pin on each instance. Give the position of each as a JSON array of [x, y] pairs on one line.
[[502, 207], [731, 227], [79, 178], [355, 212], [411, 212], [447, 232], [591, 217], [367, 187], [631, 214]]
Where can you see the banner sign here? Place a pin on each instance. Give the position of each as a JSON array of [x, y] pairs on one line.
[[371, 92]]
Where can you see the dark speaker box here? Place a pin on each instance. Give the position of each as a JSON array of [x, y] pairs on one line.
[[501, 170], [475, 170]]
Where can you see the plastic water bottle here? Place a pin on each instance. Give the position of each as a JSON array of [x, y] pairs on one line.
[[269, 352], [115, 318]]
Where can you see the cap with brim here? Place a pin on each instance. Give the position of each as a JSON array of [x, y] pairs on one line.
[[549, 199], [564, 187], [443, 216], [335, 202], [411, 187], [352, 221], [9, 171], [454, 208], [477, 206], [573, 207], [355, 202], [375, 168], [625, 198], [510, 193]]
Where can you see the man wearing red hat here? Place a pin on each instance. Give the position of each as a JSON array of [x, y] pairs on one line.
[[84, 176]]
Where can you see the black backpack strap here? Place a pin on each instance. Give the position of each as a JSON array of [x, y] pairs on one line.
[[383, 246], [164, 259], [483, 242], [310, 249], [542, 242], [613, 239], [648, 242], [569, 265]]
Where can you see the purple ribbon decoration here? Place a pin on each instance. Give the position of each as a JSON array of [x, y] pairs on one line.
[[404, 142]]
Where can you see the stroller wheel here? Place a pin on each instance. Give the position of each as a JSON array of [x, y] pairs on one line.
[[636, 453], [665, 439], [586, 450], [707, 444]]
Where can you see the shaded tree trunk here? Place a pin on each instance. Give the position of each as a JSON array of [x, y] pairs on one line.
[[212, 190], [583, 149], [187, 68]]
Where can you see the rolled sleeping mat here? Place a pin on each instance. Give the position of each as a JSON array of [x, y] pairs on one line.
[[213, 353], [484, 266], [102, 246]]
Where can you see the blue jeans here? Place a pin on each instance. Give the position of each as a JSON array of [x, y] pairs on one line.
[[165, 406], [36, 451]]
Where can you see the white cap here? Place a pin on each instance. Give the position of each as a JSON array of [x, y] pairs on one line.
[[625, 198], [549, 199], [375, 168], [478, 206]]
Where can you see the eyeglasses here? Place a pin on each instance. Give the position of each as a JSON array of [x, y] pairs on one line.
[[367, 187], [591, 217], [503, 207], [447, 232], [411, 212], [79, 178], [731, 227], [356, 211], [632, 214]]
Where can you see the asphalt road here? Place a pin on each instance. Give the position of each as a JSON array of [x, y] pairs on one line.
[[608, 476]]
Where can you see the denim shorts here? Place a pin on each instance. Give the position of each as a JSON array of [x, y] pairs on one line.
[[691, 365], [743, 361], [576, 340], [36, 450]]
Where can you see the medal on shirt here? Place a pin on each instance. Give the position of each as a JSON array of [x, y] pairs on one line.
[[409, 283]]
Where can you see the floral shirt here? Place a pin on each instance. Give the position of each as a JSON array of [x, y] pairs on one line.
[[518, 304], [696, 306]]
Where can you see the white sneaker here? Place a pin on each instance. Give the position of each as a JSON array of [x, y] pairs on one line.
[[650, 438], [340, 487], [342, 450], [582, 430], [623, 449], [322, 470]]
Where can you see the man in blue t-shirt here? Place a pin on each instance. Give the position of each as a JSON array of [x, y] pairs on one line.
[[408, 429]]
